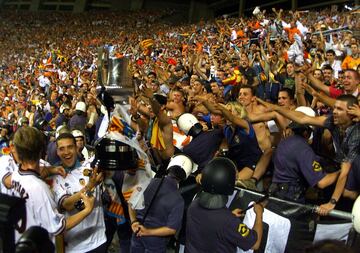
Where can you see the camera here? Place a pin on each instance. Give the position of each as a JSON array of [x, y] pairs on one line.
[[34, 239]]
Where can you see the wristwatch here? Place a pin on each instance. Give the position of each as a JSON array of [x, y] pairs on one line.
[[333, 201]]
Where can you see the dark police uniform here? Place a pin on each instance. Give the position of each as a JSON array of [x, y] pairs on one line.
[[296, 167], [167, 210], [61, 119], [203, 147], [216, 231], [244, 149]]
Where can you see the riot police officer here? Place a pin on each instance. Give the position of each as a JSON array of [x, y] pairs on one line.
[[210, 226], [297, 166], [164, 206]]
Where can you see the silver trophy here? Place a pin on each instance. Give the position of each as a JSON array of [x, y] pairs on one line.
[[113, 74]]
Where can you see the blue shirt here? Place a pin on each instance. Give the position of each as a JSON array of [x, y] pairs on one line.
[[78, 122], [296, 163], [353, 180], [168, 207], [244, 149], [203, 147], [216, 231], [61, 119]]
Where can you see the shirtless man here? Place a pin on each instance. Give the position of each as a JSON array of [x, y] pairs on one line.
[[197, 89], [247, 99], [275, 121], [176, 105], [162, 145]]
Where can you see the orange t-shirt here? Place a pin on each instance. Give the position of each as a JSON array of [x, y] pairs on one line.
[[291, 32], [350, 63]]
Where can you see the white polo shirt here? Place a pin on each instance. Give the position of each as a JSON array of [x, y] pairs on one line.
[[90, 233]]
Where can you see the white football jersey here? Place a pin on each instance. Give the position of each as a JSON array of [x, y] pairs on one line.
[[90, 233], [7, 167], [41, 209]]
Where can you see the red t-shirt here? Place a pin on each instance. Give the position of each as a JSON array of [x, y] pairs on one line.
[[335, 92]]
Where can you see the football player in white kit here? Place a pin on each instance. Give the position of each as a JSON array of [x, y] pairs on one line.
[[27, 183], [89, 235], [9, 164]]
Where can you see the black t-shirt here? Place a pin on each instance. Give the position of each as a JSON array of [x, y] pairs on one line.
[[216, 231], [286, 81], [249, 73]]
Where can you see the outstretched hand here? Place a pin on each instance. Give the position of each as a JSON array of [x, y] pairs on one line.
[[269, 106], [148, 92], [95, 178]]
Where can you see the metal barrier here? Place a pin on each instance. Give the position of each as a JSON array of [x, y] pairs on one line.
[[334, 213]]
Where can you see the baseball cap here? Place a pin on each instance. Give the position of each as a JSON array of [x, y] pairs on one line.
[[64, 107]]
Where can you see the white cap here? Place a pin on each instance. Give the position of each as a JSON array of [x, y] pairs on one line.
[[80, 106], [6, 99], [356, 214], [309, 112], [77, 133], [59, 130]]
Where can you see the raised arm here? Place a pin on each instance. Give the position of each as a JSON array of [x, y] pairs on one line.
[[261, 117], [298, 117], [322, 97], [220, 109], [318, 84], [234, 119]]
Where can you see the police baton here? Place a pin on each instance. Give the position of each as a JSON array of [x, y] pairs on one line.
[[262, 199]]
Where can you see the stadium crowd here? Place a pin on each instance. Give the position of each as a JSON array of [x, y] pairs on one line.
[[277, 93]]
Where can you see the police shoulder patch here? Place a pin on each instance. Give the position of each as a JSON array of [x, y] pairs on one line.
[[316, 166], [243, 230]]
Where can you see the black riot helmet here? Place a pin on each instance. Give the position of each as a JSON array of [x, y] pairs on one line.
[[218, 176], [112, 154]]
